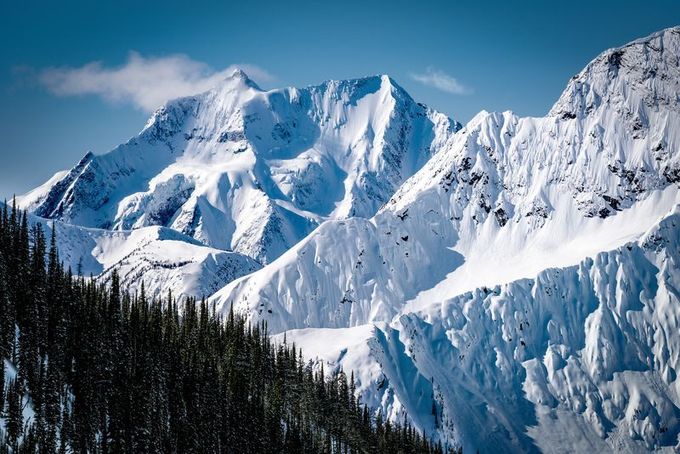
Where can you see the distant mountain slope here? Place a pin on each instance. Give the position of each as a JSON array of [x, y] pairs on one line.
[[506, 199], [162, 259], [253, 171]]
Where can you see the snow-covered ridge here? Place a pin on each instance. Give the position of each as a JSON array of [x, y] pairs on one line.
[[253, 171], [503, 187], [580, 358]]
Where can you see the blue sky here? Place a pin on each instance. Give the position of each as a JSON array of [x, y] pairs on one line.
[[458, 57]]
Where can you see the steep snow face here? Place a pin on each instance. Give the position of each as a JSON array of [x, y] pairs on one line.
[[253, 171], [505, 199], [353, 272], [584, 356]]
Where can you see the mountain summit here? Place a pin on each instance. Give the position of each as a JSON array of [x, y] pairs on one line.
[[250, 170]]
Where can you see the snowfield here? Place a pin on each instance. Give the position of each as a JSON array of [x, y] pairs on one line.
[[511, 286]]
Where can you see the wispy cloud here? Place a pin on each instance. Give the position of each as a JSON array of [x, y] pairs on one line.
[[145, 82], [441, 81]]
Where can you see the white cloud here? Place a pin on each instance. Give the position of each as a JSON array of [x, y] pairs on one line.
[[441, 81], [144, 82]]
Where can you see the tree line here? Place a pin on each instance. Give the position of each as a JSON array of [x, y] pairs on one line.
[[89, 367]]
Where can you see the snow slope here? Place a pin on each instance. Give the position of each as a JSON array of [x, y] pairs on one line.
[[163, 259], [253, 171], [506, 224], [581, 358]]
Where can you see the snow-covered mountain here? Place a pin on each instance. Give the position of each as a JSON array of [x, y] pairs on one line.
[[238, 168], [512, 286], [165, 260], [576, 359], [525, 278]]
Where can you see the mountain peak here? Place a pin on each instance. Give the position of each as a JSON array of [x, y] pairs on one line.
[[201, 157], [638, 74], [239, 76], [387, 79]]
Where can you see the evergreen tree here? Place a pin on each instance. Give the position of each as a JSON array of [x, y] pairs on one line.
[[14, 415], [108, 371]]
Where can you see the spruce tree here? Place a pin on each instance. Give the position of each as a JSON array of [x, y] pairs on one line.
[[14, 415], [109, 371]]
